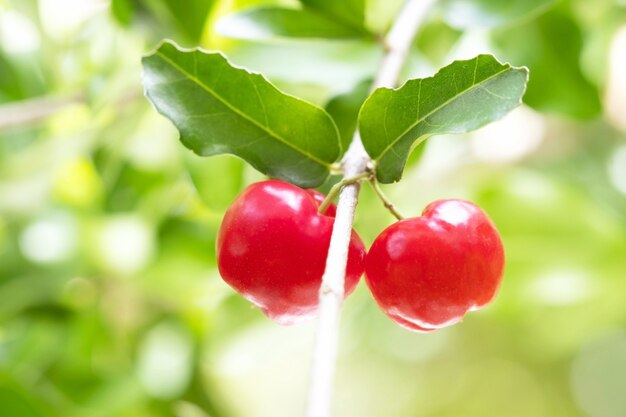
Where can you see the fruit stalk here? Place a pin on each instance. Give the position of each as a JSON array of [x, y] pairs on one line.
[[355, 162]]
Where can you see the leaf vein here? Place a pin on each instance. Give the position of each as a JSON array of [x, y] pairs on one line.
[[475, 69]]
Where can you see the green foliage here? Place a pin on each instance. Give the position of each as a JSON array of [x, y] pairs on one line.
[[551, 47], [351, 12], [435, 39], [189, 15], [18, 80], [344, 110], [185, 19], [316, 70], [461, 97], [16, 402], [379, 14], [465, 14], [217, 180], [123, 11], [262, 23], [222, 109], [111, 304]]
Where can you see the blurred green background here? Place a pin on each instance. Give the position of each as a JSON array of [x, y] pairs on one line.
[[110, 301]]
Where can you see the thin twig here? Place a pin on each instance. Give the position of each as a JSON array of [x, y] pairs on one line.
[[334, 190], [386, 202], [30, 112], [355, 162]]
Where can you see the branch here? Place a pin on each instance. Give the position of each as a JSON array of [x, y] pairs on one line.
[[355, 162], [27, 113], [34, 110]]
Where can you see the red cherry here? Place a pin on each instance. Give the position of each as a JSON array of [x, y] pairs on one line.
[[427, 272], [272, 247]]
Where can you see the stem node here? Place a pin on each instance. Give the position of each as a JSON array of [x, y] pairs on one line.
[[335, 189]]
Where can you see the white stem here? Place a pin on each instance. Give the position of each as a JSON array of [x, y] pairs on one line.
[[355, 161]]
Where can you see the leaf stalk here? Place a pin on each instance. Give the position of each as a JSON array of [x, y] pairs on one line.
[[386, 202], [337, 187]]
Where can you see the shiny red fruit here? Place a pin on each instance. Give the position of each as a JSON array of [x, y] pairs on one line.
[[272, 247], [427, 272]]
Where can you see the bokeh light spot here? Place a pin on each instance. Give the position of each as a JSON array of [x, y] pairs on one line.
[[562, 286], [49, 240], [617, 169], [165, 361], [126, 244], [18, 34]]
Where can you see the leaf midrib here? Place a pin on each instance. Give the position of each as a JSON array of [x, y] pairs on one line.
[[235, 110], [436, 109]]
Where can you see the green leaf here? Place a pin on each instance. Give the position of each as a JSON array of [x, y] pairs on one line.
[[20, 78], [183, 20], [435, 40], [461, 97], [123, 11], [219, 108], [350, 12], [270, 22], [190, 15], [16, 401], [10, 85], [380, 14], [465, 14], [315, 65], [217, 181], [551, 47], [344, 109]]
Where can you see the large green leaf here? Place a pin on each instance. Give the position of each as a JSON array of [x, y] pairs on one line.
[[219, 108], [461, 97], [351, 12], [551, 47], [270, 22], [490, 13]]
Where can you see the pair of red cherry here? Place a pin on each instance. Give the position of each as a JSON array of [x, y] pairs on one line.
[[425, 272]]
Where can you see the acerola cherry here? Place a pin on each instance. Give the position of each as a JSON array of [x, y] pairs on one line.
[[427, 272], [272, 247]]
